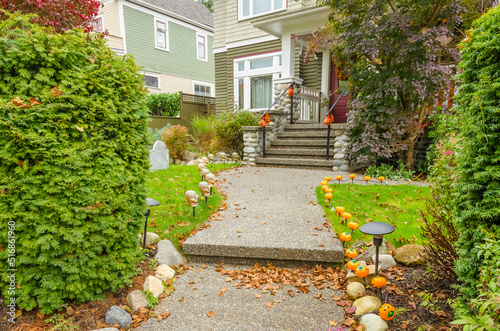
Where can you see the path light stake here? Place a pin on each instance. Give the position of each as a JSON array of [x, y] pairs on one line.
[[211, 181], [201, 166], [381, 179], [211, 158], [339, 210], [151, 203], [205, 190], [367, 178], [346, 217], [204, 173], [223, 157], [192, 199], [339, 178], [290, 93], [352, 176]]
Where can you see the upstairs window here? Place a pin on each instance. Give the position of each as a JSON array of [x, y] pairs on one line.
[[161, 35], [97, 25], [251, 8], [201, 47]]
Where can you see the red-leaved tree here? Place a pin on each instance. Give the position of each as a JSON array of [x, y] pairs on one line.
[[61, 15]]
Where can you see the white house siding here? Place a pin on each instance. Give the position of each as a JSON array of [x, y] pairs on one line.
[[111, 20]]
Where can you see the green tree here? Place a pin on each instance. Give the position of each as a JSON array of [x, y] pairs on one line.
[[73, 161], [478, 185], [209, 4]]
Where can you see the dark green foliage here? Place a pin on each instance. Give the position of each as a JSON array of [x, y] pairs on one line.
[[478, 186], [72, 169], [229, 128], [164, 104]]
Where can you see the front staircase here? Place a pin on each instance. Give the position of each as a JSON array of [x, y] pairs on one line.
[[300, 146]]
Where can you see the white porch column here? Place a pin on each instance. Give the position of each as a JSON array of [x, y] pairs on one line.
[[287, 56], [325, 73]]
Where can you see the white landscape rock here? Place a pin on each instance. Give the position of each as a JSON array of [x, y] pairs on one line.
[[366, 304], [373, 322], [164, 272], [154, 285], [385, 261], [151, 238], [136, 299], [355, 289]]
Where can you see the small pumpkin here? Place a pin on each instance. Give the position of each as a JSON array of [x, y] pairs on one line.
[[347, 216], [339, 177], [367, 178], [381, 178], [345, 236], [290, 91], [379, 281], [328, 120], [362, 271], [339, 210], [328, 195], [352, 264], [324, 182], [328, 178], [387, 312], [352, 176], [351, 253], [353, 225], [328, 189], [324, 187]]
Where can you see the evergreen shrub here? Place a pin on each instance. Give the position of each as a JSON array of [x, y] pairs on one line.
[[164, 104], [229, 129], [478, 164], [73, 161], [205, 133]]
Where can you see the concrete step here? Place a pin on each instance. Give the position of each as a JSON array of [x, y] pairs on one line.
[[295, 152], [295, 163], [296, 127], [269, 219], [304, 143], [296, 134]]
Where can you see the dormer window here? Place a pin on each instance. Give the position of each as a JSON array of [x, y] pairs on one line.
[[252, 8]]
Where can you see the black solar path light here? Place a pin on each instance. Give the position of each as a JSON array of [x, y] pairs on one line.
[[151, 203], [378, 230]]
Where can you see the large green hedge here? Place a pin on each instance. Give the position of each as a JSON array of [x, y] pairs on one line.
[[72, 168], [478, 184]]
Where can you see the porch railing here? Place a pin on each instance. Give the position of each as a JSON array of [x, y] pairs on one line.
[[328, 116], [265, 116], [310, 104]]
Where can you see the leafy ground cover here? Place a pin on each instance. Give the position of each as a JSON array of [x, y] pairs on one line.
[[173, 219], [398, 205]]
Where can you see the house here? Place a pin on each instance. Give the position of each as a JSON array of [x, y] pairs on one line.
[[259, 48], [171, 39]]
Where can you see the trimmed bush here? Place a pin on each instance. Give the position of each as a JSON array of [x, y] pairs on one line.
[[229, 128], [478, 182], [73, 161], [176, 140], [205, 133], [164, 104]]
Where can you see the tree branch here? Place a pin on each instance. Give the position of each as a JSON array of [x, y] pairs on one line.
[[392, 7], [437, 8]]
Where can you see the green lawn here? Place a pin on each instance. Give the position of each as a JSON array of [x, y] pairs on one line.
[[173, 219], [398, 205]]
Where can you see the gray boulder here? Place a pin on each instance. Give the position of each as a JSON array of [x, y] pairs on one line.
[[410, 255], [116, 315], [167, 254], [136, 299], [384, 261], [373, 322], [366, 304]]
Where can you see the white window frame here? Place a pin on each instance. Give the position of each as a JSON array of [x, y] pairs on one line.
[[251, 15], [248, 73], [204, 84], [166, 49], [152, 75], [206, 46], [100, 16]]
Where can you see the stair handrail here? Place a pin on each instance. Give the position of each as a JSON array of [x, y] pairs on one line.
[[264, 119], [327, 120]]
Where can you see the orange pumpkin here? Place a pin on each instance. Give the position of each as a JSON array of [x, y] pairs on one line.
[[351, 253], [290, 91], [339, 210], [347, 216], [367, 178], [387, 312], [381, 178], [339, 177], [353, 225], [328, 195], [328, 178], [379, 281], [345, 236], [352, 264], [352, 176], [324, 182], [328, 120], [324, 187], [362, 271], [328, 189]]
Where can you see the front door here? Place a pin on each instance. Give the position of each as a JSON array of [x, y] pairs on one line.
[[340, 110]]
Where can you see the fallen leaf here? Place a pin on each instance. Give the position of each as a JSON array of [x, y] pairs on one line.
[[34, 102], [79, 128], [181, 299], [351, 310], [333, 323], [269, 304], [163, 315], [224, 289], [257, 295], [92, 61], [211, 313], [55, 92]]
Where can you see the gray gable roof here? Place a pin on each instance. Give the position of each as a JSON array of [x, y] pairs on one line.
[[190, 9]]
